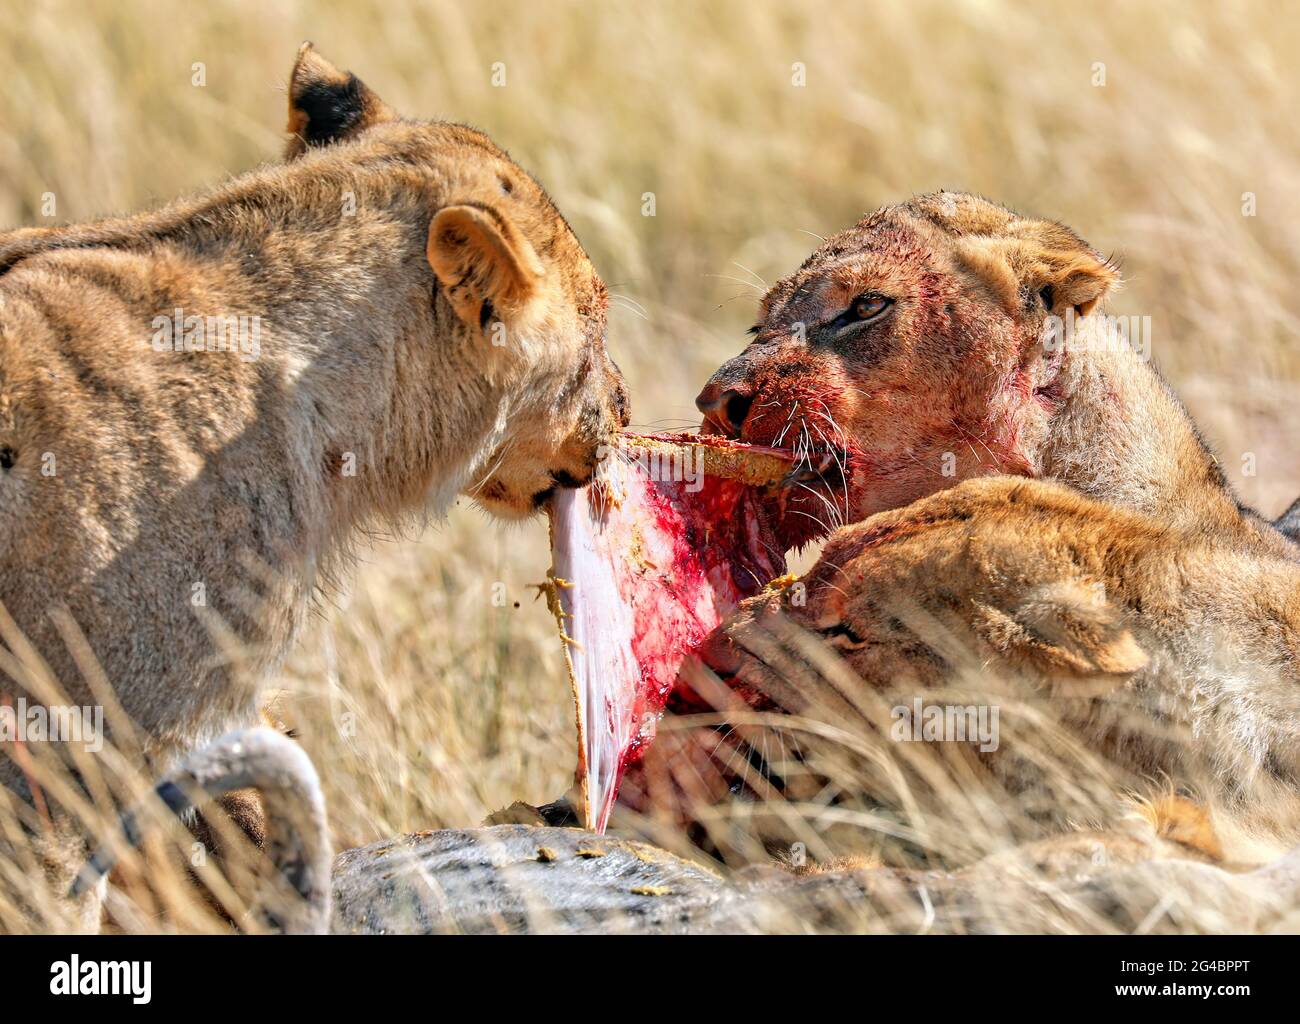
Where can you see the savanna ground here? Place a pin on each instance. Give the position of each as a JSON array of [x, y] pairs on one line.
[[425, 704]]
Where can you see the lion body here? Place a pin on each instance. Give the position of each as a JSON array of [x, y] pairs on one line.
[[1121, 592], [201, 406]]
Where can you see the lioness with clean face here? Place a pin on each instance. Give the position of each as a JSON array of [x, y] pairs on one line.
[[200, 406]]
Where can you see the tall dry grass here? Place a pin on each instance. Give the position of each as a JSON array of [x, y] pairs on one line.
[[425, 704]]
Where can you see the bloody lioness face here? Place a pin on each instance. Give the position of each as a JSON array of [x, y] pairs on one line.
[[904, 355]]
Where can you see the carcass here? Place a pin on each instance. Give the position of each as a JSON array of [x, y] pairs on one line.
[[647, 561]]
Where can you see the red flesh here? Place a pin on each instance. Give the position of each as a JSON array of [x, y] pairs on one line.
[[645, 580]]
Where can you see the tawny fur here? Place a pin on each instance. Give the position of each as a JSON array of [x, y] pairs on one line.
[[429, 327], [1122, 584]]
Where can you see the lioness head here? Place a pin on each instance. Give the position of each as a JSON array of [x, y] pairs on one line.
[[906, 354], [514, 297]]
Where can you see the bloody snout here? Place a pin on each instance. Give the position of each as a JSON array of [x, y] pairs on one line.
[[725, 409]]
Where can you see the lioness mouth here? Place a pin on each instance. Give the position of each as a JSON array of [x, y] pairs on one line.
[[646, 562], [826, 467], [559, 479]]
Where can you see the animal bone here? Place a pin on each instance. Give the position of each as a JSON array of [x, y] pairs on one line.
[[297, 836], [647, 561]]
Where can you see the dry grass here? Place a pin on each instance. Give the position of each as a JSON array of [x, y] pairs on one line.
[[422, 703]]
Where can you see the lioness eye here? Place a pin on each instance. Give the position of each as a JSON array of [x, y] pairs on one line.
[[868, 306]]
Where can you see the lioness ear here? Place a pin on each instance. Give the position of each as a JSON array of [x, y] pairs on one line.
[[327, 105], [1082, 282], [482, 260]]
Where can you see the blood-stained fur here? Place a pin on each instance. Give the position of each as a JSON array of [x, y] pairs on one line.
[[1023, 494]]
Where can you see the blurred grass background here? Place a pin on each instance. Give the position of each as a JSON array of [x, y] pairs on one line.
[[423, 703]]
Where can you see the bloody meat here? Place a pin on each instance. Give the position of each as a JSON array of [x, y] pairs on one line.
[[647, 561]]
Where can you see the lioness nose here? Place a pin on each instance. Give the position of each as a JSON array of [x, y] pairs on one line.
[[621, 407], [724, 411]]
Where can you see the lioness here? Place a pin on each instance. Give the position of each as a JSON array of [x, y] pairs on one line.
[[1094, 552], [200, 406]]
